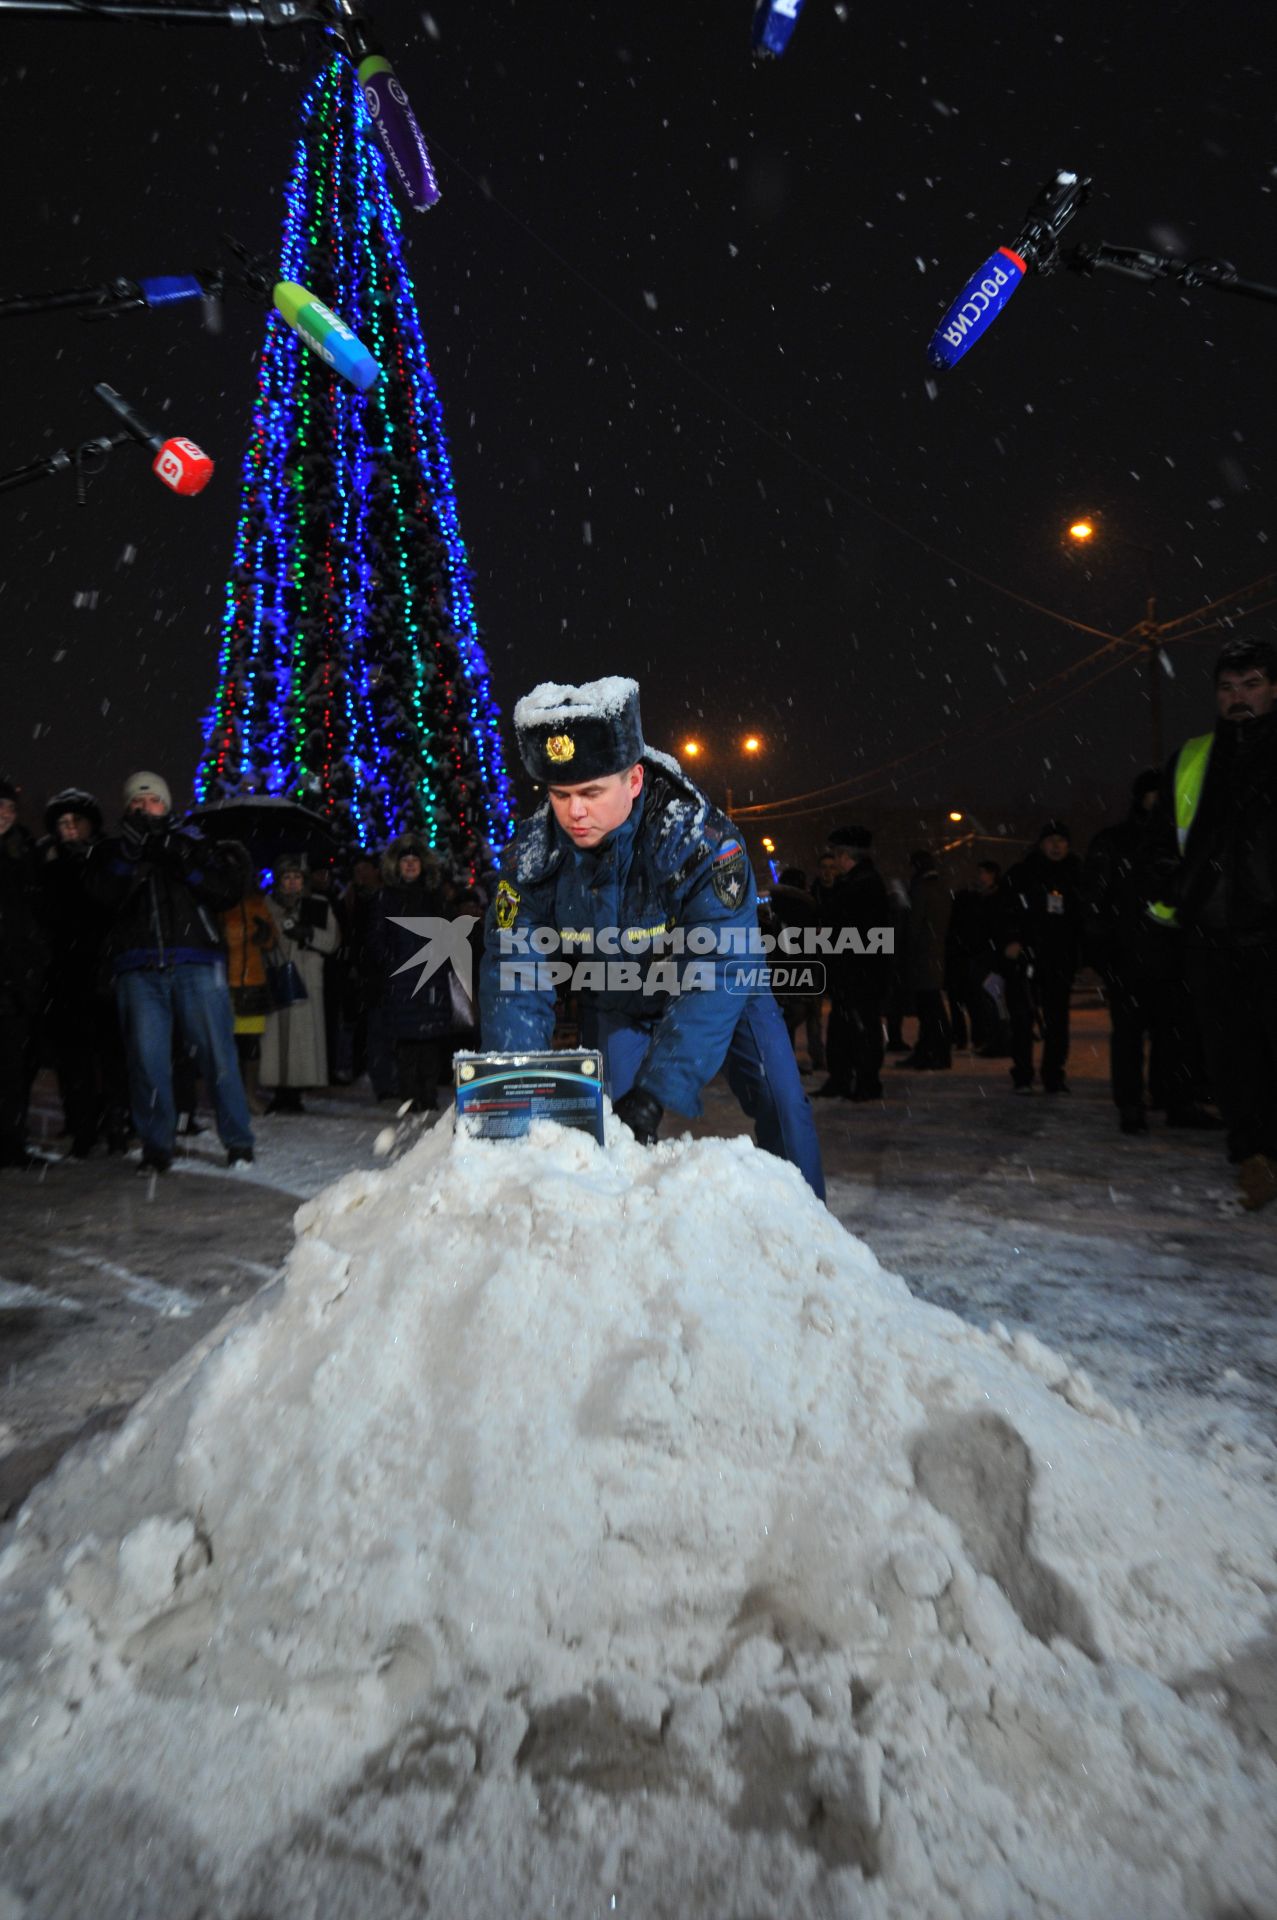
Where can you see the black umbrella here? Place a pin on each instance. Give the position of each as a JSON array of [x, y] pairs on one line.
[[268, 827]]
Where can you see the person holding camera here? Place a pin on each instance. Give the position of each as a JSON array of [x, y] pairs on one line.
[[164, 885]]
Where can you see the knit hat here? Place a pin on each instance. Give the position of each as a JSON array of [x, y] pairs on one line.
[[1052, 828], [9, 791], [1145, 783], [140, 783], [291, 863], [568, 735], [855, 839]]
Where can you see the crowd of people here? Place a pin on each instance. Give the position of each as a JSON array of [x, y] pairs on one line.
[[1174, 907], [139, 962]]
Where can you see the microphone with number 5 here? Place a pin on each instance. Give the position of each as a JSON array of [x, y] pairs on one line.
[[179, 463]]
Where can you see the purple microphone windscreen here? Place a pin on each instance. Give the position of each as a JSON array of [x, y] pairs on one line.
[[398, 131], [976, 307]]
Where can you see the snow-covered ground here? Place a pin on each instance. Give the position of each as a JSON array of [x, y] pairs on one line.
[[584, 1532]]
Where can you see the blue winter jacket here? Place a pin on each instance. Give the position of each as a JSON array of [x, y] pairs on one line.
[[677, 862]]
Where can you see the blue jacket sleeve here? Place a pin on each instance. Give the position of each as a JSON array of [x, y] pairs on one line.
[[516, 1014], [691, 1040]]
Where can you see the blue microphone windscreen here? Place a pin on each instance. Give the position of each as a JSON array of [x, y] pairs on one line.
[[976, 307], [166, 289], [774, 23]]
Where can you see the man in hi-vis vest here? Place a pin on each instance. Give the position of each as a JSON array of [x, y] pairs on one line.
[[1217, 837]]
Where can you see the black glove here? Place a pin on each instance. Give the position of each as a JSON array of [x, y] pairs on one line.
[[180, 851], [641, 1113], [134, 837]]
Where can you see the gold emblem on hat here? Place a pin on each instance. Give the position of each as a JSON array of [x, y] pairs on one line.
[[560, 747]]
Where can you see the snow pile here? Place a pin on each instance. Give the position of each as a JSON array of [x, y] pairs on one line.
[[574, 1531]]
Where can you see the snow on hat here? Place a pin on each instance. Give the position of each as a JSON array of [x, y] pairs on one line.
[[140, 783], [568, 735], [1054, 827], [858, 839]]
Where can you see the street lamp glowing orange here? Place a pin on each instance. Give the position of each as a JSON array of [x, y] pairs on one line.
[[769, 846], [751, 743], [690, 749], [1082, 531], [956, 818]]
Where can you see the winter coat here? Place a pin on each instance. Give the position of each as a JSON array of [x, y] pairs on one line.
[[163, 886], [1042, 905], [929, 904], [1121, 939], [24, 951], [1225, 886], [677, 862], [294, 1045], [412, 1009], [859, 900], [972, 939], [249, 932], [78, 926]]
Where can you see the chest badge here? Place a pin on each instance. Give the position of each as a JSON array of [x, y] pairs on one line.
[[728, 876], [560, 747], [507, 906]]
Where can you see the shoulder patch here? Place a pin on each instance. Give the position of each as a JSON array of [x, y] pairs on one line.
[[728, 874], [507, 905]]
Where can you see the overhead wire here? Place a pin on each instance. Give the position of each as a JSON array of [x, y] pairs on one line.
[[979, 729], [991, 717], [772, 812]]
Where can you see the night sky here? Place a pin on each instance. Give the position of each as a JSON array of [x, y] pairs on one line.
[[677, 305]]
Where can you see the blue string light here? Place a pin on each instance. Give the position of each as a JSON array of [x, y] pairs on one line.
[[351, 672]]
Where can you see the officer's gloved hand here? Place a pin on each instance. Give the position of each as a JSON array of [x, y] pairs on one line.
[[641, 1113]]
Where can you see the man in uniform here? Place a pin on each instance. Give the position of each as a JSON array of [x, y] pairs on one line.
[[626, 848], [1216, 822]]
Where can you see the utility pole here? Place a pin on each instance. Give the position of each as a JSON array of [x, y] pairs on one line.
[[1150, 633]]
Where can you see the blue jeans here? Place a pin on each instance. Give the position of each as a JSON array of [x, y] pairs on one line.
[[150, 999], [761, 1071]]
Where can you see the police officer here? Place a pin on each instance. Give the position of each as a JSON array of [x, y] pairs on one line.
[[625, 842], [1216, 822]]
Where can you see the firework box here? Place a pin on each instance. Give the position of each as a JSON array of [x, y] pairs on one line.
[[499, 1095]]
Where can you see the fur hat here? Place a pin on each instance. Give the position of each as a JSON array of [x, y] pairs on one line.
[[568, 735], [1052, 829], [140, 783], [73, 800], [414, 844], [855, 839], [1241, 656]]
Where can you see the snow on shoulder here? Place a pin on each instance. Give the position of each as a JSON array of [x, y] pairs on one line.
[[573, 1529]]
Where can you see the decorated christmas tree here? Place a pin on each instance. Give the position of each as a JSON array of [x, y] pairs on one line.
[[352, 677]]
